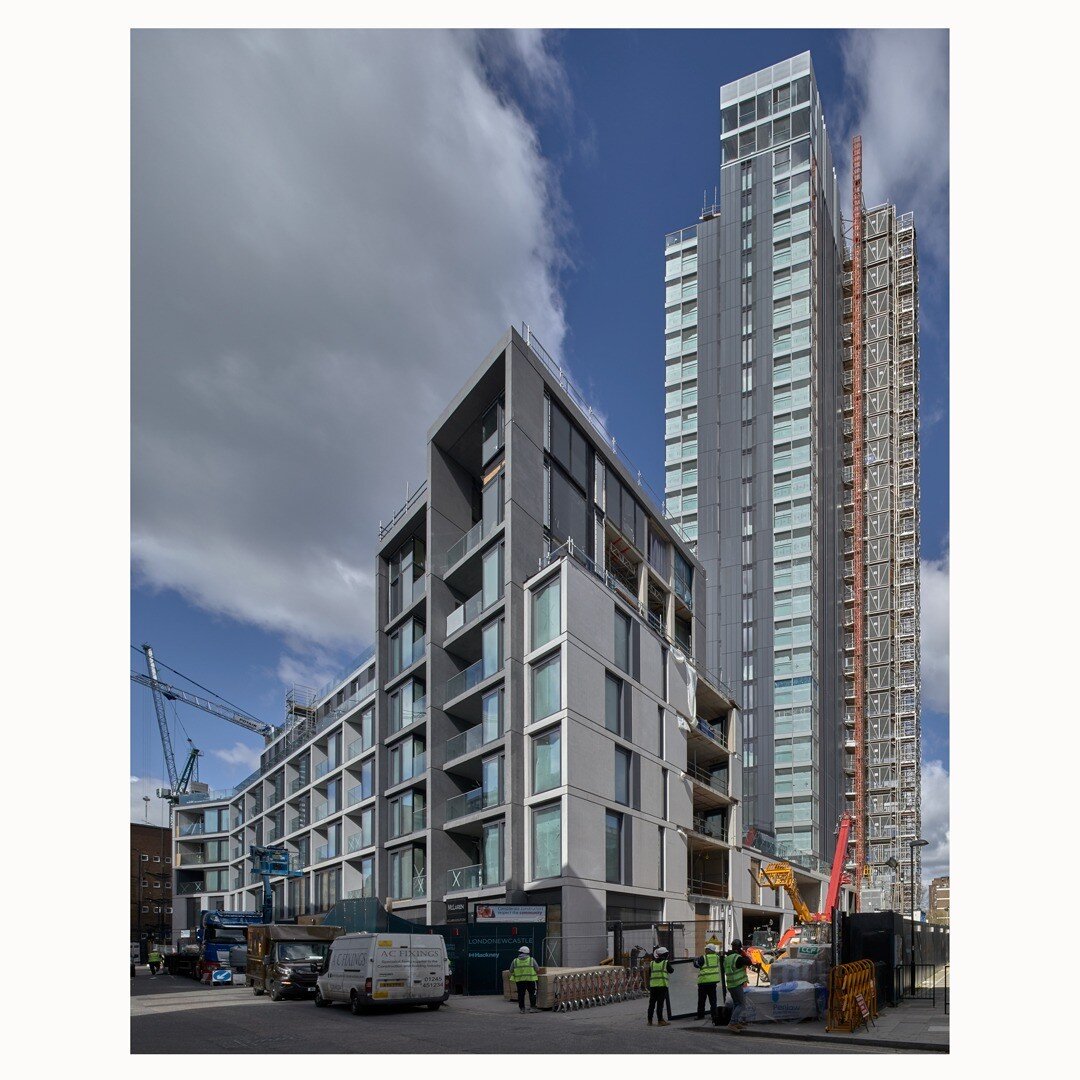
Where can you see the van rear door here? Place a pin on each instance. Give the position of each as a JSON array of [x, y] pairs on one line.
[[427, 968], [391, 969]]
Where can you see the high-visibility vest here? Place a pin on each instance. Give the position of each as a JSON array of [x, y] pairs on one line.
[[523, 969], [710, 968], [733, 976], [154, 958], [658, 973]]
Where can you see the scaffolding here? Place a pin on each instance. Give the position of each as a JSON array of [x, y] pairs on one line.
[[882, 491]]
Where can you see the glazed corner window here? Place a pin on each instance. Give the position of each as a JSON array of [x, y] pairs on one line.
[[547, 613], [547, 688], [547, 841], [567, 445], [547, 761]]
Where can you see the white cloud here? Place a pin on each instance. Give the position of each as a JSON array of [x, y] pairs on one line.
[[898, 89], [154, 812], [935, 820], [934, 646], [330, 232], [239, 754]]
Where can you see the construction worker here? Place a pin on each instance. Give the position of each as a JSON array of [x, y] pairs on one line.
[[154, 960], [735, 965], [524, 974], [660, 971], [708, 965]]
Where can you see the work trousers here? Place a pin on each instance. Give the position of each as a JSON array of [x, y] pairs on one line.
[[738, 1001], [706, 992], [521, 988], [154, 968], [658, 996]]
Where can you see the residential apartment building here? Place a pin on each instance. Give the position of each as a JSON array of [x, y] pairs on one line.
[[534, 723], [939, 900], [151, 884], [759, 443]]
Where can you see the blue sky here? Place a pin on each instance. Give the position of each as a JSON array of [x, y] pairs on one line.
[[601, 141]]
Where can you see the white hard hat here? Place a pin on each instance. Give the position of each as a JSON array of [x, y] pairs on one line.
[[661, 951], [712, 948], [524, 949]]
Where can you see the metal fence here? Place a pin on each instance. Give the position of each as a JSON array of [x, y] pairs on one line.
[[923, 982], [588, 989]]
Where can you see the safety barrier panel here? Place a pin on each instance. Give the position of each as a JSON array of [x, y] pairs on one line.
[[599, 986], [852, 987]]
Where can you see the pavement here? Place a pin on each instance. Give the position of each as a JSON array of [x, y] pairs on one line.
[[180, 1016]]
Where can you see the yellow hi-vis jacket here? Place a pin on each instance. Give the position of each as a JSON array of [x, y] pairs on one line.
[[710, 968], [523, 969]]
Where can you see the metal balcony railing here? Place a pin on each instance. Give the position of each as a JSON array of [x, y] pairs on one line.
[[473, 739], [359, 793], [701, 887], [471, 802], [717, 781], [711, 829], [470, 542], [359, 841], [470, 677]]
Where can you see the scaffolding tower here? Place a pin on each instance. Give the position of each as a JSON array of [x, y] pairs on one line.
[[881, 547]]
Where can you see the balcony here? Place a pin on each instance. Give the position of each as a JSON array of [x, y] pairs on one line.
[[298, 783], [472, 877], [410, 654], [325, 809], [714, 890], [716, 781], [357, 747], [196, 828], [470, 741], [470, 542], [359, 793], [465, 613], [327, 851], [409, 770], [472, 676], [358, 894], [713, 830], [189, 888], [472, 802], [300, 821], [410, 821], [359, 841], [325, 767]]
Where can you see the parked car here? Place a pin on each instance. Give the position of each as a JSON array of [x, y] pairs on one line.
[[369, 970]]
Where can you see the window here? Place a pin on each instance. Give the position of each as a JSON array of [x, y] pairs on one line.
[[145, 858], [491, 647], [492, 854], [407, 873], [146, 910], [623, 510], [491, 712], [493, 498], [491, 779], [614, 690], [547, 613], [547, 761], [568, 445], [157, 858], [568, 516], [547, 688], [547, 841], [157, 884], [167, 859], [622, 775], [622, 641], [491, 431], [144, 883], [613, 845], [492, 576]]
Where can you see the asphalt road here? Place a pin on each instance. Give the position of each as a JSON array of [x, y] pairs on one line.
[[179, 1016]]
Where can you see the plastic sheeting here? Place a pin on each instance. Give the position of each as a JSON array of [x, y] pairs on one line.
[[782, 1002]]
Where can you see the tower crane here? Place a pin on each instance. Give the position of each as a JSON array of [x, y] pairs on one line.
[[160, 691]]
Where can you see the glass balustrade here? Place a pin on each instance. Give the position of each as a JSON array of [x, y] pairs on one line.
[[471, 740], [470, 802], [360, 792], [469, 542], [470, 677]]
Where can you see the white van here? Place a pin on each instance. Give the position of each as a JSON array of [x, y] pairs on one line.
[[365, 970]]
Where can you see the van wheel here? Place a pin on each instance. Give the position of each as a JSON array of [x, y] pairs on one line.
[[320, 1001], [354, 1004], [275, 992], [435, 1005]]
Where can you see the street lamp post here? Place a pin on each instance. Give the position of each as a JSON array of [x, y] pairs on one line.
[[912, 846]]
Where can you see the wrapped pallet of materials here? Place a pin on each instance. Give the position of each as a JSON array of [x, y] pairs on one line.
[[785, 971], [783, 1002]]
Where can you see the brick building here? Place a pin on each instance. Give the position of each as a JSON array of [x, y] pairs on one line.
[[151, 884], [939, 900]]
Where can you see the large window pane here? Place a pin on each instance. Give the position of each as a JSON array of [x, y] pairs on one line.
[[613, 692], [622, 641], [547, 841], [493, 576], [492, 861], [613, 845], [547, 761], [568, 510], [547, 614], [547, 688], [622, 776]]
